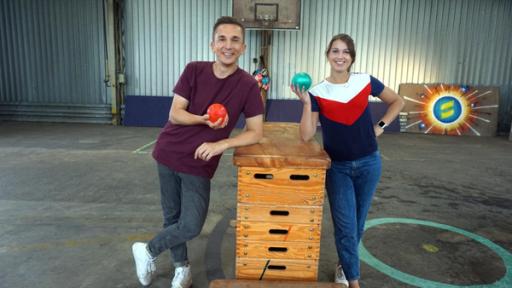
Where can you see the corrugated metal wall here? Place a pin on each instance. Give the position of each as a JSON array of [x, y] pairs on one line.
[[52, 51], [52, 61], [163, 36], [402, 41], [398, 41]]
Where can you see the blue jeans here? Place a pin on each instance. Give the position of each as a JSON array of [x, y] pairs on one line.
[[185, 199], [350, 187]]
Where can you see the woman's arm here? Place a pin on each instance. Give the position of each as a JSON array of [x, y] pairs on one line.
[[395, 104]]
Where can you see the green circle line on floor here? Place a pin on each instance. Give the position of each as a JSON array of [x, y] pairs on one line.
[[504, 282]]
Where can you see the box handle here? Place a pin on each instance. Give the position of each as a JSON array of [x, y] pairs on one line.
[[277, 249], [265, 176], [278, 231], [299, 177], [279, 212], [276, 267]]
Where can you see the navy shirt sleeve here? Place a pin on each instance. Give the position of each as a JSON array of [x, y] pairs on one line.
[[314, 104], [377, 86]]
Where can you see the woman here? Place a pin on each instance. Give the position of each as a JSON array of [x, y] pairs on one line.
[[340, 102]]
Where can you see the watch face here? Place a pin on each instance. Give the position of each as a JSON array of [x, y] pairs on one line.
[[382, 124]]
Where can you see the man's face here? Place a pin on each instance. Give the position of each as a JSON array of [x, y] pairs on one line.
[[228, 44]]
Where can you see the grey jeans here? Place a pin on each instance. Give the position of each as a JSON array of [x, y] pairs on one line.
[[185, 199]]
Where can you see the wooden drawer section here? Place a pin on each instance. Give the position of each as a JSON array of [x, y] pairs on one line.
[[279, 213], [284, 186], [255, 195], [246, 283], [296, 178], [277, 231], [278, 250], [276, 269], [283, 176]]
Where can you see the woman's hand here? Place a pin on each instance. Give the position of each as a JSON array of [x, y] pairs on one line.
[[302, 94], [378, 130]]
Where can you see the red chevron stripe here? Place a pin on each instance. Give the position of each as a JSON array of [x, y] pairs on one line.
[[345, 113]]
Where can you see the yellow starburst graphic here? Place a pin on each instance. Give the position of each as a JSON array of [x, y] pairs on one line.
[[448, 109]]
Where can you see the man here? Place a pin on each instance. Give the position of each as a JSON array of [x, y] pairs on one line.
[[189, 147]]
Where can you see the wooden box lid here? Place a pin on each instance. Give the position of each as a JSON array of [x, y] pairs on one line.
[[232, 283], [282, 146]]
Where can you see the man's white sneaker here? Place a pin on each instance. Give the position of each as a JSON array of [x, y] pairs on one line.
[[182, 277], [144, 262], [339, 276]]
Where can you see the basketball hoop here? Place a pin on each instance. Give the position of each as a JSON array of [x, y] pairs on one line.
[[266, 13], [266, 19]]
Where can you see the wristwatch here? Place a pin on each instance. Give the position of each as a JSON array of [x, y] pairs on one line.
[[382, 124]]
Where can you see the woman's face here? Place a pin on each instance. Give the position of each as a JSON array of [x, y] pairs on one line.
[[339, 57]]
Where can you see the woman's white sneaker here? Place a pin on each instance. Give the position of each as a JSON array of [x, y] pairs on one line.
[[339, 276]]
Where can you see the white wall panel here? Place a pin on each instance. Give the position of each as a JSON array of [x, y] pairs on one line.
[[400, 41], [52, 52], [163, 36], [404, 41], [52, 61]]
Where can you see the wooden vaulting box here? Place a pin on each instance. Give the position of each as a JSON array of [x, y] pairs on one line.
[[279, 211]]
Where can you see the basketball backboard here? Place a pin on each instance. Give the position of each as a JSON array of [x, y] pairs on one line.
[[268, 14]]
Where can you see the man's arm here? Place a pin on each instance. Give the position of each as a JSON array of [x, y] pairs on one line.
[[179, 115], [252, 134]]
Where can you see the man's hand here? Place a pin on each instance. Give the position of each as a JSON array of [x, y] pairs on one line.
[[219, 124], [208, 149], [252, 134]]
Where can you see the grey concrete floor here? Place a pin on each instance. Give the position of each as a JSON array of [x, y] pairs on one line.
[[74, 197]]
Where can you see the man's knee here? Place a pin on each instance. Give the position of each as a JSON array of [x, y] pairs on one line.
[[191, 230]]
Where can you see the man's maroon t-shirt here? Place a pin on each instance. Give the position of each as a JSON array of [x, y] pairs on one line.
[[176, 144]]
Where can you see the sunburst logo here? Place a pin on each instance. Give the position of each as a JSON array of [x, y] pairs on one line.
[[448, 110]]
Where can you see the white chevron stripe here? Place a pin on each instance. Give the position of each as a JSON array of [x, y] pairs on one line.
[[342, 92]]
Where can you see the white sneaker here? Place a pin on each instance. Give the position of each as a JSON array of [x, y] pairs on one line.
[[182, 277], [144, 262], [339, 276]]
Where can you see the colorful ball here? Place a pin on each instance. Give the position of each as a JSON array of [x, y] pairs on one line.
[[216, 111], [302, 80]]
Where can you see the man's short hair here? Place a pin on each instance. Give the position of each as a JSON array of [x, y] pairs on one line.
[[228, 20]]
